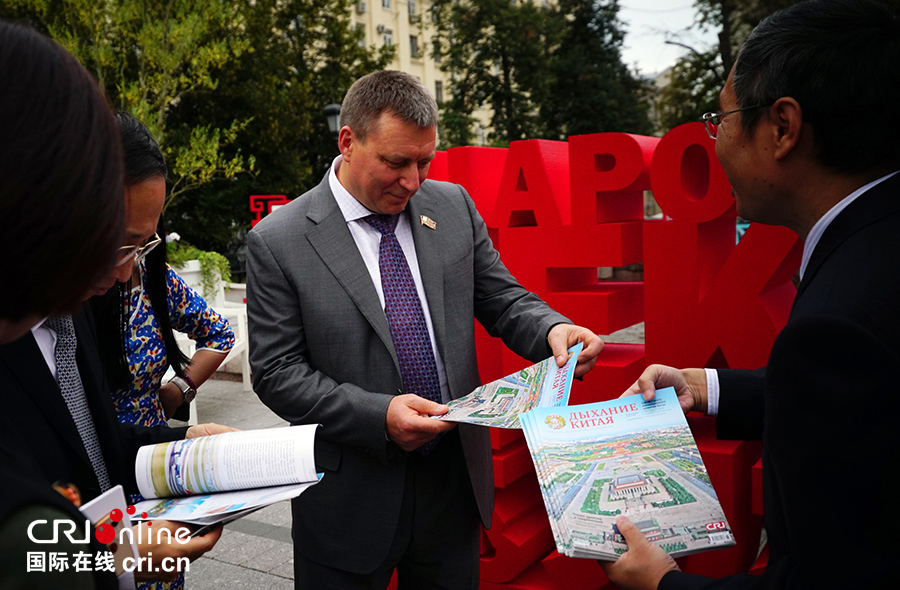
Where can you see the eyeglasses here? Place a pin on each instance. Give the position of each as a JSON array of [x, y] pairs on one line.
[[713, 120], [138, 253]]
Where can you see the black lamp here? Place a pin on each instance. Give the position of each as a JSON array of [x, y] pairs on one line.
[[333, 116]]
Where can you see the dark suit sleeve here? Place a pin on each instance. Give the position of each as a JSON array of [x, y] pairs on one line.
[[741, 404], [26, 498], [684, 581], [134, 437], [831, 418], [503, 306]]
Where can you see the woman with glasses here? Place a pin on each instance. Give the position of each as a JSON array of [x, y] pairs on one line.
[[135, 319]]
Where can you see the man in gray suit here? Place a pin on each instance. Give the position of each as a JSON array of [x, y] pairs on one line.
[[361, 302]]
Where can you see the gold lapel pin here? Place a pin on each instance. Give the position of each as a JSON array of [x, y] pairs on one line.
[[427, 221]]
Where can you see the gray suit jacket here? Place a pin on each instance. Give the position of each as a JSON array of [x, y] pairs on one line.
[[321, 352]]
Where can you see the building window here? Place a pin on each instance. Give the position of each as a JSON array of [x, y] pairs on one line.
[[439, 92], [412, 7], [385, 3], [436, 50], [388, 37], [413, 46], [361, 28]]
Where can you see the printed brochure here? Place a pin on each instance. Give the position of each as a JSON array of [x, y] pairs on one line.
[[99, 512], [219, 478], [626, 456], [501, 402]]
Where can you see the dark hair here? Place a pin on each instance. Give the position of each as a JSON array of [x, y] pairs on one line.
[[388, 90], [840, 59], [143, 157], [61, 191], [143, 161]]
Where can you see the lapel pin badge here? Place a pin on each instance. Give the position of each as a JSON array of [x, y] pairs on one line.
[[427, 221]]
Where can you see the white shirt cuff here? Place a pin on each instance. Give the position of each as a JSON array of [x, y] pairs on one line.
[[712, 392]]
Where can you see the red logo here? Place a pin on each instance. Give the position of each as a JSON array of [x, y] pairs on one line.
[[716, 526], [106, 533]]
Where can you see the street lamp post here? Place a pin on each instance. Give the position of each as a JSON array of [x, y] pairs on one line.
[[333, 116]]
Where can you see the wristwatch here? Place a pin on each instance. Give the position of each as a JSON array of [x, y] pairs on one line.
[[187, 389]]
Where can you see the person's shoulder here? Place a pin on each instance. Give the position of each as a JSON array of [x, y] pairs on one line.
[[295, 214], [440, 187], [443, 195]]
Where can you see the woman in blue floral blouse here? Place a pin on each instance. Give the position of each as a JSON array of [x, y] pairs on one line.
[[136, 318]]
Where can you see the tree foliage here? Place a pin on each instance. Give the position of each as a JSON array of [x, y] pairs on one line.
[[591, 90], [695, 82], [542, 71], [302, 55], [491, 50], [697, 77], [234, 90], [149, 56]]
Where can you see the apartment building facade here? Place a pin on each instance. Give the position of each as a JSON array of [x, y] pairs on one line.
[[407, 25]]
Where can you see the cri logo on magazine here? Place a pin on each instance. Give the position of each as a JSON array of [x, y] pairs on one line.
[[717, 526]]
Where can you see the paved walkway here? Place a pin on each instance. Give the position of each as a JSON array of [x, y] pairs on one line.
[[254, 551]]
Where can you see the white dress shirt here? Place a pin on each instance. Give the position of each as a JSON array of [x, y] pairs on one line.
[[46, 341], [368, 240]]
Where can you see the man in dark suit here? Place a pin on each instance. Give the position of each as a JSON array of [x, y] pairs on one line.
[[361, 298], [796, 142], [43, 434], [44, 424]]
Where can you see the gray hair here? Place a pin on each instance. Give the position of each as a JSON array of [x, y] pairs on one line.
[[392, 91]]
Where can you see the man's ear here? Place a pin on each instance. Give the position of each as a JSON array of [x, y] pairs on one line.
[[346, 141], [786, 117]]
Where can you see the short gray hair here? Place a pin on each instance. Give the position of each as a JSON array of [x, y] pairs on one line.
[[396, 92]]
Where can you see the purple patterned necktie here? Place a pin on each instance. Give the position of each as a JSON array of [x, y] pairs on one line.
[[418, 370]]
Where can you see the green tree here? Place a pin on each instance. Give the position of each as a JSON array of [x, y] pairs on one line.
[[695, 82], [494, 52], [698, 76], [590, 89], [217, 81], [542, 71], [301, 55], [149, 56]]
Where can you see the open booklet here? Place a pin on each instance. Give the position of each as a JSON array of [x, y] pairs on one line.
[[501, 402], [219, 478], [626, 456]]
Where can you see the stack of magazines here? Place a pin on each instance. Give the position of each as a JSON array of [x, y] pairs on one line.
[[624, 457]]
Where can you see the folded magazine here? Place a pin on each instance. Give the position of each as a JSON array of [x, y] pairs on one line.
[[627, 457], [499, 404], [222, 477]]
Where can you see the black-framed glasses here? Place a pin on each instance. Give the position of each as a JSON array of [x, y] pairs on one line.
[[138, 253], [713, 120]]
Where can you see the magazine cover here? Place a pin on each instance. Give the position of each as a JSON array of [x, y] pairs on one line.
[[500, 403], [630, 457]]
